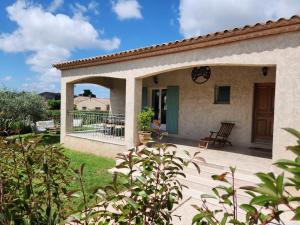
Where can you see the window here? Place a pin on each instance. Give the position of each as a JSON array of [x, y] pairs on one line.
[[107, 108], [83, 107], [97, 108], [222, 95]]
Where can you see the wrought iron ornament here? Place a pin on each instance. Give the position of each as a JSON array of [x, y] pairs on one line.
[[201, 74]]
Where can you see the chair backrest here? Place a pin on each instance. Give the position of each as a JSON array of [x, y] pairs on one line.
[[77, 122], [45, 124], [225, 129]]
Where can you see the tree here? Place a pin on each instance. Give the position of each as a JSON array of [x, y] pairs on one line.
[[20, 107], [88, 93], [53, 104]]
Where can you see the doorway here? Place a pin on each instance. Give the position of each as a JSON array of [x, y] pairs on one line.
[[159, 105], [263, 113]]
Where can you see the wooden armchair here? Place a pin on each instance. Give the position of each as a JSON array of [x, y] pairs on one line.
[[220, 137]]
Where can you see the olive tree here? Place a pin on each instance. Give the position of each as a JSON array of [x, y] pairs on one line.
[[19, 108]]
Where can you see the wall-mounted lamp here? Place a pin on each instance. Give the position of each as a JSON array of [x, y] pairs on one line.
[[265, 71], [155, 80]]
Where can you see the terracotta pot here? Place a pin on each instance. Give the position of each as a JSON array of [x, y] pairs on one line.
[[144, 137]]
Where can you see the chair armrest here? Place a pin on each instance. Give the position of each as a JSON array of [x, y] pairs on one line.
[[212, 133]]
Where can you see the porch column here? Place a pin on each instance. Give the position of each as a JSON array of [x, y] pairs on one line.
[[67, 104], [287, 106], [132, 108]]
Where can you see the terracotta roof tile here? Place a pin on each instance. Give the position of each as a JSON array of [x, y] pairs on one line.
[[217, 38]]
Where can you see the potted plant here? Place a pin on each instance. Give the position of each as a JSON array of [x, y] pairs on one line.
[[144, 121]]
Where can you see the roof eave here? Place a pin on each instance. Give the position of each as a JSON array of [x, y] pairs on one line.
[[210, 40]]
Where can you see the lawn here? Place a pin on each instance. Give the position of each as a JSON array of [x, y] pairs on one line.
[[95, 174], [95, 171], [96, 167]]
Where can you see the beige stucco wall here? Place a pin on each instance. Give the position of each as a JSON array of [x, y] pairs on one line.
[[91, 146], [282, 51], [197, 112], [91, 104], [117, 96]]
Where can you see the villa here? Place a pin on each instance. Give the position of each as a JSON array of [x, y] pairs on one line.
[[249, 76]]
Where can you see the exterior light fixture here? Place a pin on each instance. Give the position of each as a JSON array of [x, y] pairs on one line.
[[155, 80], [201, 74], [265, 71]]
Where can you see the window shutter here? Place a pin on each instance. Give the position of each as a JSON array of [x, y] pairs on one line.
[[144, 97], [172, 109]]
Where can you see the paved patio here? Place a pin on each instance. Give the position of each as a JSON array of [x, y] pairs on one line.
[[217, 160]]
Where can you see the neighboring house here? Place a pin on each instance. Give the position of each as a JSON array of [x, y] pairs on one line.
[[254, 82], [88, 103], [50, 95]]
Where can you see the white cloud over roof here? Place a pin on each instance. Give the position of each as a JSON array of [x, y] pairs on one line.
[[198, 17], [127, 9]]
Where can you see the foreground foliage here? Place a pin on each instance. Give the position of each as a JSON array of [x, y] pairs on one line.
[[271, 199], [152, 189], [33, 182]]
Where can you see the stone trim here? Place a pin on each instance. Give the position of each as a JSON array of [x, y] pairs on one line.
[[219, 38]]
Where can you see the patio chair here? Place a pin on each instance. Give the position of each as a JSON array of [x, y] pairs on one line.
[[77, 122], [48, 125], [220, 137]]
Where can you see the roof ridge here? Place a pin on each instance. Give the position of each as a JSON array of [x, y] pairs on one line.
[[187, 41]]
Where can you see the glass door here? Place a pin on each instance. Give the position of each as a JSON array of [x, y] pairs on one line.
[[159, 105]]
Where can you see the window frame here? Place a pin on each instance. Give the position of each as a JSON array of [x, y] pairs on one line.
[[217, 95]]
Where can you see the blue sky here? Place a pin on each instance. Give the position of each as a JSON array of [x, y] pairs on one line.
[[36, 33]]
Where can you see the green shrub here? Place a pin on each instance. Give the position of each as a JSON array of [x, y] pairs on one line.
[[145, 118], [33, 182], [20, 127], [149, 191], [52, 115], [54, 104]]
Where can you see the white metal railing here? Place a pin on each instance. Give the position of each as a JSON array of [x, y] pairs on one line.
[[102, 126]]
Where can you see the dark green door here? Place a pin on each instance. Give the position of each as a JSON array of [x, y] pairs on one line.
[[172, 109]]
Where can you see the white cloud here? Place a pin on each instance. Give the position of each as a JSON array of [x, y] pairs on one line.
[[198, 17], [55, 4], [49, 38], [79, 10], [127, 9], [6, 78], [93, 6]]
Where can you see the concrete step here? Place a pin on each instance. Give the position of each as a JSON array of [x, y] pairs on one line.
[[202, 185], [250, 169], [208, 170], [213, 204], [187, 212], [239, 182]]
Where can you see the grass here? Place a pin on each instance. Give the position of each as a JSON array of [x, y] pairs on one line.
[[95, 170], [95, 173], [96, 167]]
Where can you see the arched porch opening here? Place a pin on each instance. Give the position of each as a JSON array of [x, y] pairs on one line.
[[89, 117]]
